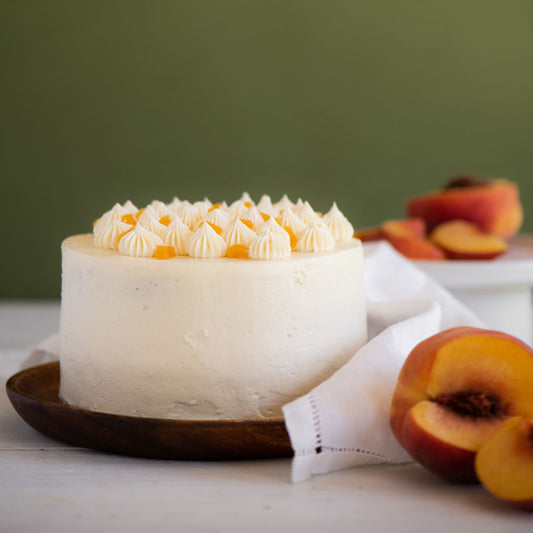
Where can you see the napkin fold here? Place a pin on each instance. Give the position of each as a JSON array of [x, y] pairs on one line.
[[344, 421]]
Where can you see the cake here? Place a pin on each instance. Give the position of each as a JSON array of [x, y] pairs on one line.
[[208, 312]]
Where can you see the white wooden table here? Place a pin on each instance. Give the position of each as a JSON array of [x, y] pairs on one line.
[[49, 486]]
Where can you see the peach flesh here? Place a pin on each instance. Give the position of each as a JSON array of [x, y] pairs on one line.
[[368, 234], [455, 390], [463, 240], [415, 248], [409, 227], [504, 464]]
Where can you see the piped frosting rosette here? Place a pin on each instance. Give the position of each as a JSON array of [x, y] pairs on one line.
[[203, 230]]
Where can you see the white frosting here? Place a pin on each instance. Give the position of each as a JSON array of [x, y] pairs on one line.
[[285, 219], [202, 208], [148, 213], [315, 238], [139, 242], [290, 220], [173, 206], [338, 224], [238, 233], [298, 205], [130, 207], [204, 339], [219, 218], [237, 209], [284, 204], [307, 215], [272, 226], [107, 237], [149, 222], [265, 206], [206, 243], [161, 209], [115, 213], [188, 213], [246, 198], [177, 235], [269, 246], [254, 216]]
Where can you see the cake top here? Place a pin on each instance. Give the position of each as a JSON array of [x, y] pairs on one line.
[[243, 229]]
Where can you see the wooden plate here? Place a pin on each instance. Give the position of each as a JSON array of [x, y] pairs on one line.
[[34, 395]]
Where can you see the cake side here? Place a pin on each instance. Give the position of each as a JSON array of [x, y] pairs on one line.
[[205, 338]]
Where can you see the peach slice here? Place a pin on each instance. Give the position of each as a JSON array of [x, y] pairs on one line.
[[493, 205], [415, 248], [463, 240], [408, 236], [455, 390], [368, 234], [504, 464], [408, 227]]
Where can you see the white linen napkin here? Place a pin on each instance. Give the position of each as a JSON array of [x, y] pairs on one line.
[[344, 422]]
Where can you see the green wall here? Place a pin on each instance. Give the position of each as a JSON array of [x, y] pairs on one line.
[[362, 102]]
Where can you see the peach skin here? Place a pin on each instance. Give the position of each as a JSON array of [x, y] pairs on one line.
[[455, 390]]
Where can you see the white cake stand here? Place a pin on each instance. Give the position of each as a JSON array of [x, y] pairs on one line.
[[498, 291]]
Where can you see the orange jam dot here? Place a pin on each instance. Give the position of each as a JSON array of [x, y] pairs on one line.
[[129, 219], [264, 216], [237, 251], [165, 220], [292, 236], [214, 206], [95, 221], [247, 223], [248, 204], [164, 252], [139, 213]]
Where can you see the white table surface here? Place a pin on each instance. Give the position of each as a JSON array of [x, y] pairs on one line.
[[48, 486]]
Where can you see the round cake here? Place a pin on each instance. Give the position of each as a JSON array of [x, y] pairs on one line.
[[242, 324]]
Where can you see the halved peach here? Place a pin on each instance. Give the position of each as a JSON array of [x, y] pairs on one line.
[[455, 390], [463, 240], [493, 205]]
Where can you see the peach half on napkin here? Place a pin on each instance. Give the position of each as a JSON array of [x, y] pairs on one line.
[[463, 408]]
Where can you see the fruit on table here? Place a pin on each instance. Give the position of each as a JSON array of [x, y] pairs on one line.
[[455, 390], [368, 234], [493, 205], [408, 227], [463, 240], [408, 236], [504, 464]]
